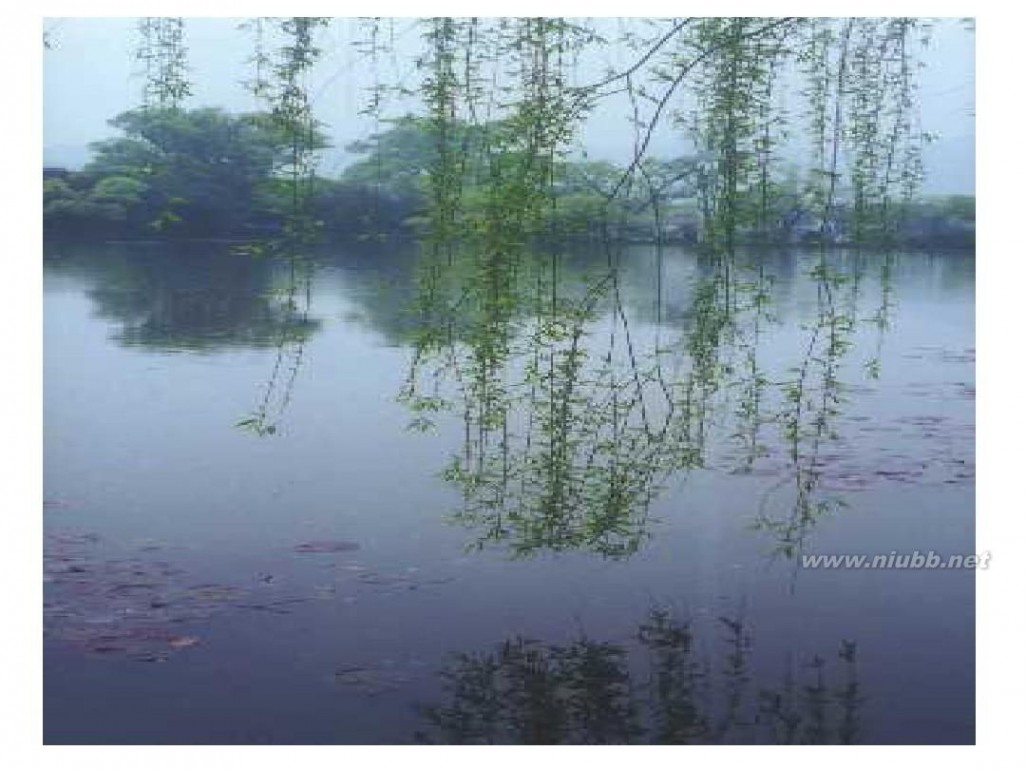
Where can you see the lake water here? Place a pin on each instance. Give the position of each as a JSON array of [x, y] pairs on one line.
[[375, 498]]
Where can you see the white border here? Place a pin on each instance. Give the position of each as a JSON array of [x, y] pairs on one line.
[[1002, 627]]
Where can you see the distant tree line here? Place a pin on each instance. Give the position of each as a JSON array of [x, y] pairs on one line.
[[202, 172], [208, 173]]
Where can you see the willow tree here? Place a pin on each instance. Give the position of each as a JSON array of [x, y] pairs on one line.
[[566, 441], [285, 53], [834, 98], [565, 447], [162, 51]]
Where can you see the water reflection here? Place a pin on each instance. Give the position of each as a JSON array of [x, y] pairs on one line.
[[522, 368], [576, 413], [294, 297], [559, 449], [674, 682], [191, 298], [584, 382]]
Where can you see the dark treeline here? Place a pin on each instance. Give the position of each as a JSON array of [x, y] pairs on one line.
[[206, 173]]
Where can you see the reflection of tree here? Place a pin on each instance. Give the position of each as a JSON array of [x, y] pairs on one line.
[[560, 448], [379, 280], [814, 397], [658, 688], [188, 298], [573, 422], [294, 298]]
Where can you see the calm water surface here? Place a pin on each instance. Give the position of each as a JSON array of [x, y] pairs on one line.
[[460, 513]]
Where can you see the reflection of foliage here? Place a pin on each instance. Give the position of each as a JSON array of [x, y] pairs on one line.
[[812, 402], [571, 427], [191, 300], [660, 689], [294, 298]]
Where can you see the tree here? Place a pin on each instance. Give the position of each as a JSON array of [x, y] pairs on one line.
[[200, 171], [396, 160], [71, 204], [502, 105]]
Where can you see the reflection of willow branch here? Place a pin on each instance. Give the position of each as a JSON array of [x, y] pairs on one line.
[[558, 447], [782, 710], [812, 401], [677, 683], [735, 678], [289, 356], [291, 113], [753, 381], [593, 692], [565, 444], [881, 318]]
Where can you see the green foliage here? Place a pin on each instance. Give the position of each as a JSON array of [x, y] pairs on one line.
[[960, 207], [125, 191], [71, 203], [396, 161], [199, 171], [162, 51], [488, 155], [393, 181]]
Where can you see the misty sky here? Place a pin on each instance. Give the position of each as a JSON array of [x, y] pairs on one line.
[[90, 76]]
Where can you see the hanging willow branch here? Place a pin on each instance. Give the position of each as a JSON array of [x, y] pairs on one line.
[[162, 51], [285, 92]]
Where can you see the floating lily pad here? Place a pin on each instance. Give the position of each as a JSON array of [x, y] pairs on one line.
[[327, 546], [213, 592], [278, 606], [370, 680], [136, 608]]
